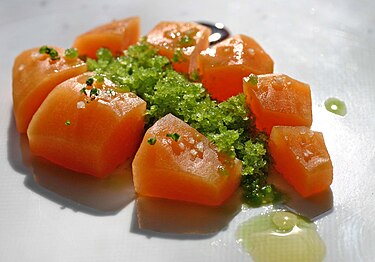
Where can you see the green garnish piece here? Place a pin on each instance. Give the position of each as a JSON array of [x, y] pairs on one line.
[[252, 79], [177, 56], [174, 136], [151, 140], [186, 40], [67, 122], [83, 90], [53, 54], [89, 81], [195, 76], [71, 53], [94, 92]]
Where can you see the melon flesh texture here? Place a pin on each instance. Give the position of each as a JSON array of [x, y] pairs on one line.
[[34, 76], [224, 65], [189, 169], [186, 38], [278, 100], [93, 140], [117, 36], [302, 158]]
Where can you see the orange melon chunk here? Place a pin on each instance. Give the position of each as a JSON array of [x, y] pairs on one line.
[[302, 158], [34, 76], [117, 36], [181, 42], [277, 99], [189, 169], [91, 135], [223, 65]]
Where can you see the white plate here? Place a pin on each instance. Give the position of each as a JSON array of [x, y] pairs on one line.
[[328, 44]]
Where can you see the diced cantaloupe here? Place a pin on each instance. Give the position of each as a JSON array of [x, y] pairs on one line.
[[278, 100], [117, 36], [34, 76], [223, 66], [181, 42], [176, 162], [302, 158], [88, 129]]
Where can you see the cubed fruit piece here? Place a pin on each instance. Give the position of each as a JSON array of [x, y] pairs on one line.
[[176, 162], [223, 66], [181, 42], [88, 129], [117, 36], [34, 76], [302, 158], [277, 99]]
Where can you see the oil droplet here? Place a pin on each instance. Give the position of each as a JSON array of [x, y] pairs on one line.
[[335, 106], [280, 236]]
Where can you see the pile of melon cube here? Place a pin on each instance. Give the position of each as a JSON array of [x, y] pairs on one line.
[[87, 126]]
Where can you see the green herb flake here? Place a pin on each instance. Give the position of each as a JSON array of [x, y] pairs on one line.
[[89, 81], [174, 136], [252, 79], [94, 92], [177, 56], [186, 40], [71, 53], [53, 54], [151, 140], [67, 122], [195, 76], [83, 90]]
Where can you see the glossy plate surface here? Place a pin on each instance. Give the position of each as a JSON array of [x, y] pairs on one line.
[[328, 44]]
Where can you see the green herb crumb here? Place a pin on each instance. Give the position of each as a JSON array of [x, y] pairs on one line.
[[94, 92], [71, 53], [67, 122], [89, 81], [53, 54], [151, 140], [177, 56], [174, 136], [252, 79]]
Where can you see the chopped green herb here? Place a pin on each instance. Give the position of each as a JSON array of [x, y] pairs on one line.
[[174, 136], [151, 140], [252, 79], [186, 40], [229, 125], [83, 90], [67, 122], [53, 54], [44, 50], [94, 92], [71, 53], [89, 81], [195, 76], [177, 56]]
